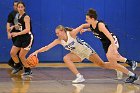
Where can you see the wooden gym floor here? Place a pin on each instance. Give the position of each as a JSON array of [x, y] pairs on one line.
[[56, 78]]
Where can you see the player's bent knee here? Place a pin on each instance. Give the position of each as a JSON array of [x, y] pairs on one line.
[[66, 59], [109, 57]]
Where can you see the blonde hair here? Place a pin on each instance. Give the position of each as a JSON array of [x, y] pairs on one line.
[[60, 27]]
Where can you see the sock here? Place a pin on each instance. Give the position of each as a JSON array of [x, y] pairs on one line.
[[11, 62], [126, 59], [78, 75], [131, 73], [129, 62], [17, 65]]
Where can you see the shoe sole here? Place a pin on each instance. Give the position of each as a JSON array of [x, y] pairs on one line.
[[79, 82]]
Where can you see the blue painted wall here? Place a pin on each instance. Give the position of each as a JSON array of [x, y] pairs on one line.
[[122, 17]]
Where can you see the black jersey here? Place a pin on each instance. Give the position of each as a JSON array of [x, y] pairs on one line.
[[103, 38], [98, 33], [13, 19], [24, 41], [22, 23]]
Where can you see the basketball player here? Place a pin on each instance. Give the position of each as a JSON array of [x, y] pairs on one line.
[[24, 38], [12, 20], [79, 50], [109, 42]]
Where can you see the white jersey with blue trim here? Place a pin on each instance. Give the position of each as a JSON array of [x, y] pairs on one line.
[[77, 46]]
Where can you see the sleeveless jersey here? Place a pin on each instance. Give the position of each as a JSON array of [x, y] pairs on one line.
[[77, 46], [103, 38], [22, 23]]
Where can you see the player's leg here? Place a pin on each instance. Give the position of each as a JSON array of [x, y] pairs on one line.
[[15, 58], [69, 60], [22, 56], [113, 56]]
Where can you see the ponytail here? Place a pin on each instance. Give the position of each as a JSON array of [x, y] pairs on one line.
[[64, 28]]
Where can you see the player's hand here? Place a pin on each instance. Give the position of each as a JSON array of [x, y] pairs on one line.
[[26, 64], [11, 28], [17, 26], [14, 34], [83, 30], [34, 54]]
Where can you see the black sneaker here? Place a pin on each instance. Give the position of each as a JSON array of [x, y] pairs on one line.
[[27, 73], [16, 70], [131, 79], [132, 64]]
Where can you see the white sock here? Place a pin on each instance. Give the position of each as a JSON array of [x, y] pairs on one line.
[[125, 59], [131, 73], [78, 75]]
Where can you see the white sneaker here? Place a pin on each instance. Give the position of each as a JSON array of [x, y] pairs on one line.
[[79, 79]]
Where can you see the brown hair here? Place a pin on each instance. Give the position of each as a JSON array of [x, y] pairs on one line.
[[20, 2], [15, 2], [64, 28], [92, 13]]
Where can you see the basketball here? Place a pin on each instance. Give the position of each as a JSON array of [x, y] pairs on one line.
[[32, 61]]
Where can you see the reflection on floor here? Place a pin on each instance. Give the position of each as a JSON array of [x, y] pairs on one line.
[[58, 80]]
